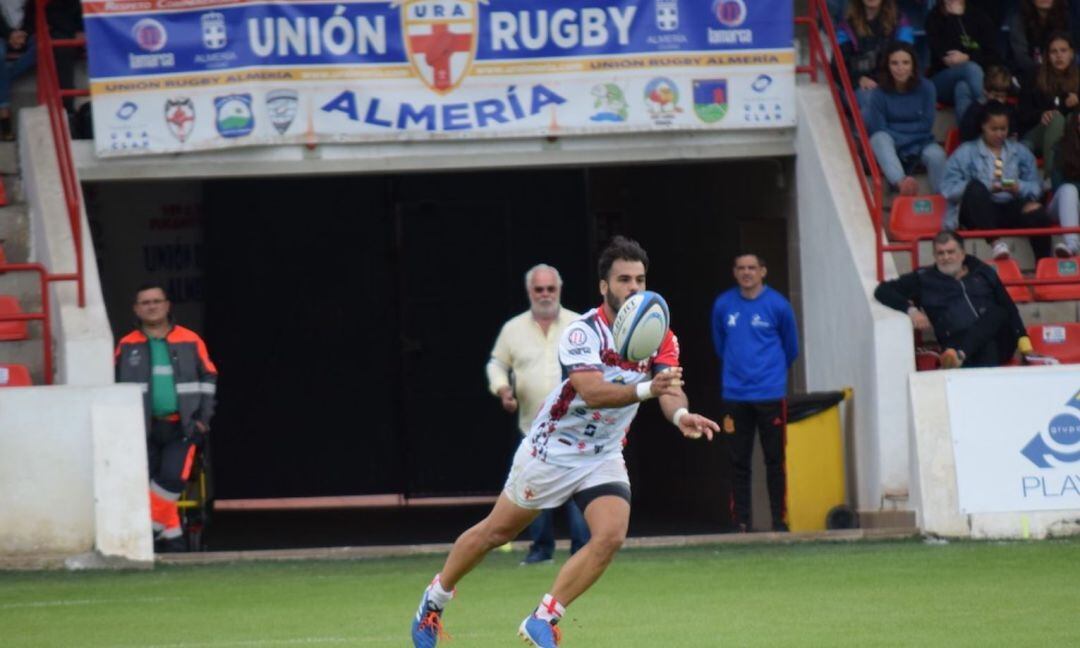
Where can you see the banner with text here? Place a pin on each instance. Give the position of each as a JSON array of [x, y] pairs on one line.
[[184, 75], [1017, 440]]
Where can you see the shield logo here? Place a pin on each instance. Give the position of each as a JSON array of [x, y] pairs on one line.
[[281, 106], [440, 39], [710, 99], [180, 117]]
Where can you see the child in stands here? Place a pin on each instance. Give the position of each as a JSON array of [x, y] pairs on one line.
[[867, 29], [1065, 205], [1048, 96], [962, 41], [993, 183], [997, 82], [900, 119]]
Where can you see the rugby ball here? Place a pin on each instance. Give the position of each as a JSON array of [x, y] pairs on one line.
[[640, 326]]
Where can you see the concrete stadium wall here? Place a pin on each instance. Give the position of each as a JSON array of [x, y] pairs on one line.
[[935, 493], [82, 338], [849, 339], [73, 475]]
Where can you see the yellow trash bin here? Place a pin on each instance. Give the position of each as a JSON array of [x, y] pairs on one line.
[[815, 462]]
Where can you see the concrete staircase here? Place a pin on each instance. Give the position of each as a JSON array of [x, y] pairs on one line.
[[25, 286]]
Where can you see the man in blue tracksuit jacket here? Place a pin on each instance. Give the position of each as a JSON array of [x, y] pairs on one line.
[[754, 333]]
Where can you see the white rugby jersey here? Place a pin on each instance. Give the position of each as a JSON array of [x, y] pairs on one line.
[[566, 431]]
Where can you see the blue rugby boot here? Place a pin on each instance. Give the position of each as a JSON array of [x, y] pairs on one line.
[[427, 625], [540, 633]]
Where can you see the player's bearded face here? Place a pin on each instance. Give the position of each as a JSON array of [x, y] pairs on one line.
[[625, 278]]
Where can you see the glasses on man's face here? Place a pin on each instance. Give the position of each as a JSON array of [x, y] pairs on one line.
[[544, 289], [150, 302]]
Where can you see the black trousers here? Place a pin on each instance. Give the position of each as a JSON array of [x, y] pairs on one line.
[[770, 420], [979, 211], [980, 341], [169, 454]]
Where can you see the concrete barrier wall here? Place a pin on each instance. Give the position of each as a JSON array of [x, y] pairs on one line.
[[849, 339], [73, 476], [935, 493], [82, 338]]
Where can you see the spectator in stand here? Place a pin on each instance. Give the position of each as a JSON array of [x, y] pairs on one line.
[[992, 183], [900, 119], [867, 29], [1065, 205], [13, 38], [997, 81], [1048, 96], [1029, 30], [962, 41], [964, 302]]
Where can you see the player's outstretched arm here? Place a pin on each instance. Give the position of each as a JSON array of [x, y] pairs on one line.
[[597, 392], [675, 408]]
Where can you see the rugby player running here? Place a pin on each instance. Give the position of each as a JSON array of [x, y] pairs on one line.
[[574, 449]]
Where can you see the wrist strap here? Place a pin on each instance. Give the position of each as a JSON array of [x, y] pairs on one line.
[[677, 416], [644, 390]]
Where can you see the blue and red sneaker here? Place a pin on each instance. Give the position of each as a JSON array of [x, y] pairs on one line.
[[427, 625], [540, 633]]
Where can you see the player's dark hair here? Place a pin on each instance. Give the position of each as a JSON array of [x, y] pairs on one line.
[[760, 259], [623, 248], [151, 285]]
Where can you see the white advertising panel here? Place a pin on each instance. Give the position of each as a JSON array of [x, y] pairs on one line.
[[1017, 440]]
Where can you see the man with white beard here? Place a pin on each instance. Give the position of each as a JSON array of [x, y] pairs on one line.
[[523, 369], [964, 302]]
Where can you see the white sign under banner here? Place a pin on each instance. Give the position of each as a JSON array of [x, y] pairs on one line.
[[186, 75], [1016, 442]]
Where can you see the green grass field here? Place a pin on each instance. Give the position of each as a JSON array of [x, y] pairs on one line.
[[864, 594]]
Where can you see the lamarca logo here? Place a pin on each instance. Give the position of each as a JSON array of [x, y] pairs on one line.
[[1059, 443]]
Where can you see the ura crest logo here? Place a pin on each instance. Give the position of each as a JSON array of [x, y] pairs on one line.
[[440, 39]]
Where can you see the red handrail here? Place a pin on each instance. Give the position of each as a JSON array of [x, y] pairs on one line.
[[872, 189], [50, 95], [43, 316]]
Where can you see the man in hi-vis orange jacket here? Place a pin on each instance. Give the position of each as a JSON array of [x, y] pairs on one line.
[[178, 381]]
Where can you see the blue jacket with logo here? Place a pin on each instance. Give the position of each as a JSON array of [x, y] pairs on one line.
[[756, 342]]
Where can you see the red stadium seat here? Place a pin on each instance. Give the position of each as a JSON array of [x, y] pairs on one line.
[[11, 331], [14, 375], [1009, 269], [1061, 341], [1050, 268], [915, 216], [952, 140]]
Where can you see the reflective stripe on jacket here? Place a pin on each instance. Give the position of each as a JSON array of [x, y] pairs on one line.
[[194, 373]]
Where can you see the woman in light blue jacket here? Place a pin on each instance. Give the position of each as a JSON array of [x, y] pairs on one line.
[[993, 183]]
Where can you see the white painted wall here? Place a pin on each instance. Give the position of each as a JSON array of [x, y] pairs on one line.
[[849, 339], [935, 496], [73, 475], [83, 341]]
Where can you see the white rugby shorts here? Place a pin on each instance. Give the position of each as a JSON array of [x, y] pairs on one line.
[[533, 484]]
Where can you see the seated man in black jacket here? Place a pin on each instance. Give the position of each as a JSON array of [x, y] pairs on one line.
[[962, 299]]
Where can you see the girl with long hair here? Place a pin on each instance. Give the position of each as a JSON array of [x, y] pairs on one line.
[[1050, 94], [900, 119], [1029, 29], [866, 30]]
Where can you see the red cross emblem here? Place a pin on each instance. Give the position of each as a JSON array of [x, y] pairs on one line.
[[440, 39]]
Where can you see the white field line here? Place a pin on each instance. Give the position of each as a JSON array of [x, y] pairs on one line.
[[74, 602]]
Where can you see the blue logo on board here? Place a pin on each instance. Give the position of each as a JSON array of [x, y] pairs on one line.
[[1059, 442]]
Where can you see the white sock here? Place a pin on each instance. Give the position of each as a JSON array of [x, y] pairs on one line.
[[550, 609], [437, 596]]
